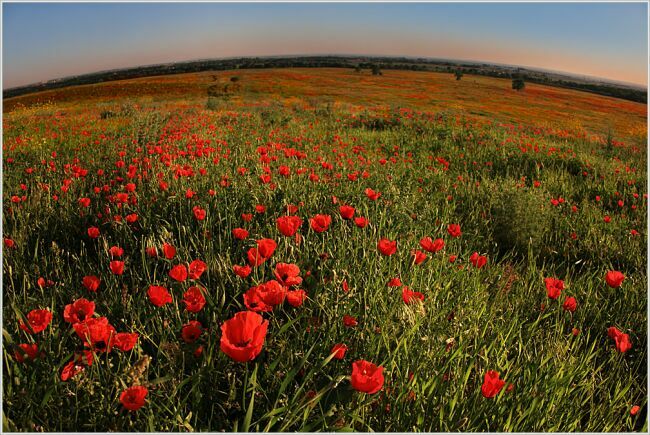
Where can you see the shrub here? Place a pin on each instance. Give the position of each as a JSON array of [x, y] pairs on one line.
[[518, 84], [213, 103], [375, 122], [521, 219], [105, 114]]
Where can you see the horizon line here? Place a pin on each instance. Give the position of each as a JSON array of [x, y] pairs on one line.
[[640, 86]]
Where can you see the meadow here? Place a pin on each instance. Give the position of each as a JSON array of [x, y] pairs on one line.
[[324, 250]]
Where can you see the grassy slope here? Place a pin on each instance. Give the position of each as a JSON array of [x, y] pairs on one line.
[[487, 97], [498, 316]]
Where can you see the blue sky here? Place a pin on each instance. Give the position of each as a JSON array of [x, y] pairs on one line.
[[43, 41]]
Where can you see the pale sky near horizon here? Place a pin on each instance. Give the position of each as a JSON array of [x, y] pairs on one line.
[[43, 41]]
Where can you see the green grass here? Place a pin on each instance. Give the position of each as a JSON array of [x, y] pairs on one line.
[[494, 314]]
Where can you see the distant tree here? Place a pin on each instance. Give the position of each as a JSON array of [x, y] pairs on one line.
[[459, 74], [518, 83], [357, 68], [375, 70]]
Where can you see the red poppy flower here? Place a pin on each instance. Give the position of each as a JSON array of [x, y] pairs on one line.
[[117, 267], [196, 269], [346, 287], [635, 409], [272, 292], [387, 247], [247, 217], [93, 232], [125, 341], [339, 350], [242, 271], [192, 331], [614, 278], [367, 377], [193, 299], [37, 321], [394, 282], [347, 212], [151, 251], [287, 274], [296, 297], [159, 295], [320, 223], [491, 384], [91, 282], [240, 233], [622, 340], [554, 287], [350, 321], [178, 273], [372, 195], [285, 171], [9, 243], [242, 337], [70, 370], [199, 213], [361, 222], [260, 208], [432, 246], [254, 257], [116, 251], [570, 304], [42, 283], [454, 230], [266, 247], [133, 397], [477, 260], [253, 300], [78, 311], [410, 297], [418, 256], [288, 225], [96, 333], [26, 352], [168, 251]]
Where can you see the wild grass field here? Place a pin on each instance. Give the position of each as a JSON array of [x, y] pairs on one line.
[[324, 250]]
